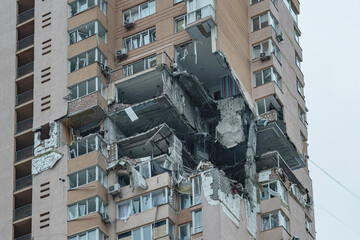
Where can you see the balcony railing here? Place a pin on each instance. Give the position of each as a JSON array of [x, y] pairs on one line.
[[24, 16], [24, 237], [22, 183], [143, 64], [24, 125], [200, 13], [25, 42], [22, 212], [24, 97], [24, 153], [25, 69]]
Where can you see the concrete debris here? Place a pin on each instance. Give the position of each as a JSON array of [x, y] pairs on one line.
[[230, 130], [137, 179], [45, 161], [42, 146]]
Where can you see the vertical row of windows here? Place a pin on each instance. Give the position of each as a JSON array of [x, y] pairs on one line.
[[290, 6], [87, 206], [86, 176], [140, 39], [139, 12], [86, 31], [86, 58], [79, 6]]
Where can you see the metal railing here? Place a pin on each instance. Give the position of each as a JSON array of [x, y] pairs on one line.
[[143, 64], [24, 237], [25, 42], [24, 97], [24, 125], [200, 13], [24, 153], [23, 182], [22, 212], [25, 69], [24, 16]]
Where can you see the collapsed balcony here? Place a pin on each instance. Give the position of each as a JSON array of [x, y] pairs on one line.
[[87, 111]]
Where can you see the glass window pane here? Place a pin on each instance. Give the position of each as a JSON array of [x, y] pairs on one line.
[[72, 212], [82, 5], [82, 60], [147, 233], [73, 37], [136, 42], [255, 24], [91, 205], [136, 205], [73, 64], [265, 46], [82, 89], [73, 93], [152, 7], [82, 208], [82, 177], [256, 51], [73, 8], [91, 144], [136, 234], [152, 35], [145, 38], [146, 204], [73, 181], [264, 20], [267, 75], [144, 8], [260, 106], [135, 13], [265, 220], [92, 235], [91, 174], [91, 85], [274, 220], [184, 201], [91, 3], [258, 79], [82, 236], [91, 57], [184, 233]]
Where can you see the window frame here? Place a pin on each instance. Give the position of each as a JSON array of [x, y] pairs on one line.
[[99, 176], [101, 3], [300, 88], [197, 228], [100, 206], [280, 189], [176, 20], [100, 145], [100, 87], [99, 235], [99, 57], [301, 114], [280, 215], [151, 33], [196, 197], [297, 61], [270, 19], [139, 11], [274, 77], [188, 231], [97, 28]]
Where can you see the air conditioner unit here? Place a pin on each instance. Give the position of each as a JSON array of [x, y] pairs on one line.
[[280, 36], [122, 53], [129, 23], [105, 218], [114, 189], [264, 56]]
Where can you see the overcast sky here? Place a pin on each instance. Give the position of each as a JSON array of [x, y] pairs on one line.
[[330, 40]]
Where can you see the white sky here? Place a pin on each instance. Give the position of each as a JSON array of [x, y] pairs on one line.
[[330, 36]]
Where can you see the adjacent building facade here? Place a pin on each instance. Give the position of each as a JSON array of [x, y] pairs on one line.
[[158, 119]]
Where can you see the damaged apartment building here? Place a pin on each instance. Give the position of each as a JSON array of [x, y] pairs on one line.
[[154, 119]]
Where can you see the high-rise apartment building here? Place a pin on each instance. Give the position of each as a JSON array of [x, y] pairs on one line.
[[153, 119]]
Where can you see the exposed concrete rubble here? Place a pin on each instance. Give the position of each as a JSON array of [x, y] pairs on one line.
[[45, 153], [230, 130]]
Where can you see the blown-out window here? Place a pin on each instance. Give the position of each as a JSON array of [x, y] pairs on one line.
[[86, 207], [86, 31], [86, 58]]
